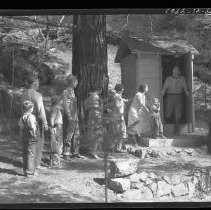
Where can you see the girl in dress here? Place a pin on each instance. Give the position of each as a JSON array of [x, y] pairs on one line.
[[139, 114]]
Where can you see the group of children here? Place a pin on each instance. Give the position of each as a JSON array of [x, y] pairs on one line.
[[29, 132], [95, 107], [111, 109]]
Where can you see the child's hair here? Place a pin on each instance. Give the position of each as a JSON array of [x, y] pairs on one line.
[[111, 92], [155, 104], [94, 95], [27, 105], [95, 92], [71, 79], [119, 87], [155, 100], [111, 95], [55, 100], [142, 87], [32, 76]]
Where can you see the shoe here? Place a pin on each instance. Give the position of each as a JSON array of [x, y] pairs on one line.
[[30, 175], [67, 157], [94, 156], [41, 167], [156, 137], [79, 156], [55, 167], [72, 156], [119, 151], [162, 136]]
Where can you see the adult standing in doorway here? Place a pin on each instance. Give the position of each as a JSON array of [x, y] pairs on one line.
[[31, 94], [174, 87]]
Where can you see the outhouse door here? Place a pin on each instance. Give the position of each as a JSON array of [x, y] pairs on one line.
[[148, 72], [186, 67]]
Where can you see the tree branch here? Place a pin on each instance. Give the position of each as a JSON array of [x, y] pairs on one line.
[[39, 28], [23, 18], [60, 22]]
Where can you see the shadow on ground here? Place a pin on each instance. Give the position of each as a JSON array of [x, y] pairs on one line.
[[23, 191], [15, 163], [100, 181], [10, 171], [11, 145]]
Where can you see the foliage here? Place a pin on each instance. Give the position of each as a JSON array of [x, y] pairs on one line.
[[194, 28]]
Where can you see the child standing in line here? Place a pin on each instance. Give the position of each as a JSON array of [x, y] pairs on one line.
[[70, 120], [94, 131], [157, 126], [118, 116], [28, 130], [56, 131]]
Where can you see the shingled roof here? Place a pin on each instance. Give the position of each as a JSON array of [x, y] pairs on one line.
[[161, 45], [178, 46]]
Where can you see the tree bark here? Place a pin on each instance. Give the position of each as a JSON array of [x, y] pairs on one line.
[[89, 61]]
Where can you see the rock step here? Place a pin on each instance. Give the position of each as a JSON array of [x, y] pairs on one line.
[[180, 141], [149, 142], [188, 142]]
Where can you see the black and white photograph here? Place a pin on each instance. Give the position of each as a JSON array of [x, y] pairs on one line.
[[105, 107]]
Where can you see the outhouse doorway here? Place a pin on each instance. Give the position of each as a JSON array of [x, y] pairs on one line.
[[167, 64]]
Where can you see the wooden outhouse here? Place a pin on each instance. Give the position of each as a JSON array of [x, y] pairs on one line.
[[151, 61]]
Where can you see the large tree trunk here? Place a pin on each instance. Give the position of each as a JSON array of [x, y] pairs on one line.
[[89, 61]]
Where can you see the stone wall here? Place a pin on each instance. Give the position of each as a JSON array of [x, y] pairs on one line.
[[135, 186]]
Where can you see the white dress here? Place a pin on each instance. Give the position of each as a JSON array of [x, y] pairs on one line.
[[137, 112]]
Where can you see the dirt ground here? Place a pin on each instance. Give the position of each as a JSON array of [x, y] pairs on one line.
[[78, 181]]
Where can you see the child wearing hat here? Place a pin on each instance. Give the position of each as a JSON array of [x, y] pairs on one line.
[[56, 131], [31, 94], [29, 134]]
